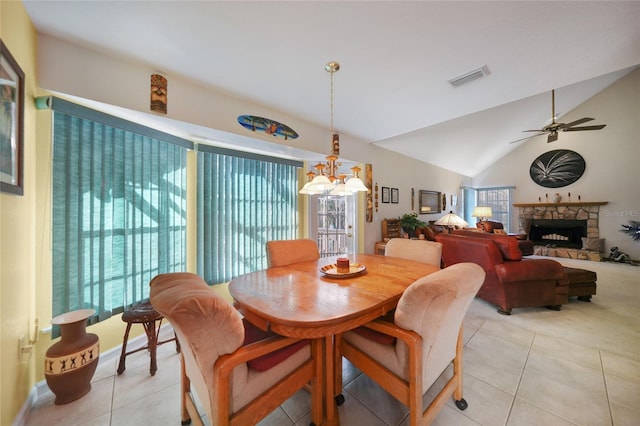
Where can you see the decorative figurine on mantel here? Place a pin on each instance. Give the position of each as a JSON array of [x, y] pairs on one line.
[[557, 197]]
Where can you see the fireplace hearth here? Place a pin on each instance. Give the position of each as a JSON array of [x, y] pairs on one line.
[[558, 232]]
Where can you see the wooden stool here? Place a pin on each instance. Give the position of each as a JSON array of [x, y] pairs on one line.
[[143, 313]]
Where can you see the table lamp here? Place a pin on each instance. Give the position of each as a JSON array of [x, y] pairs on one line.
[[482, 212], [451, 220]]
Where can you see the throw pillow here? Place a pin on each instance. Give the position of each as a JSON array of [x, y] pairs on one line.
[[592, 244]]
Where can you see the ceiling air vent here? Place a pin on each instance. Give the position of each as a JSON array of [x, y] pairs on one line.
[[470, 76]]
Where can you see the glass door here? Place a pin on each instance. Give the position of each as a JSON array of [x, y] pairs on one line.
[[333, 224]]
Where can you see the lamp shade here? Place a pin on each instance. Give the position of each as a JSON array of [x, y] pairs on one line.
[[318, 185], [341, 189], [482, 212], [451, 220], [355, 185]]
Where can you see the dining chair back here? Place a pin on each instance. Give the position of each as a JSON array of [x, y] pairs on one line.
[[406, 356], [286, 252], [239, 373], [423, 251]]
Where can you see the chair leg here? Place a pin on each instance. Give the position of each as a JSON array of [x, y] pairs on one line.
[[177, 342], [123, 354], [150, 329], [457, 368], [317, 384], [185, 384]]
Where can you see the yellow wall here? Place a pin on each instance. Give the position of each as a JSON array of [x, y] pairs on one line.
[[17, 230], [25, 256]]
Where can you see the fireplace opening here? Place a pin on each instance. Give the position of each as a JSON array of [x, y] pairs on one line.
[[558, 232]]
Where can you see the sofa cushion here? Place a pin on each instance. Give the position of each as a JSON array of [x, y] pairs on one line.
[[430, 231], [507, 244], [489, 225], [265, 362]]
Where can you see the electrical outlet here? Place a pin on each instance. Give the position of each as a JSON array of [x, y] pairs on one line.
[[24, 349]]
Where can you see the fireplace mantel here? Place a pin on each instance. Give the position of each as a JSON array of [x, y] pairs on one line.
[[582, 203]]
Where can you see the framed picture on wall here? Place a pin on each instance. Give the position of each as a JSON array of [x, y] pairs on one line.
[[394, 195], [385, 194], [430, 202], [11, 123]]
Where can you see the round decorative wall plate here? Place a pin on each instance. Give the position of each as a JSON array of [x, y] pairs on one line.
[[557, 168], [267, 126]]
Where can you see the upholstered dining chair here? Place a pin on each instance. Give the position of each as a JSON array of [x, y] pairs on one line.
[[286, 252], [406, 356], [424, 251], [239, 373]]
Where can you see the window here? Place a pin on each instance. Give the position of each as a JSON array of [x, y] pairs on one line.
[[119, 209], [244, 200], [499, 199]]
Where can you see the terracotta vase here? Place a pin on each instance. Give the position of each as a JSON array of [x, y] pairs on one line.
[[71, 362]]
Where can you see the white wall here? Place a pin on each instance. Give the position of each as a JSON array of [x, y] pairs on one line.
[[612, 158]]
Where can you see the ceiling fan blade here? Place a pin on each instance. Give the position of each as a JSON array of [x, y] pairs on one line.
[[575, 129], [575, 123], [528, 137], [553, 136], [539, 131]]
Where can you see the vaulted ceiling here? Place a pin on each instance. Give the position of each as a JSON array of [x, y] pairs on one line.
[[396, 60]]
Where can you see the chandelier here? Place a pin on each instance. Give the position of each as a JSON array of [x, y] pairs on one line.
[[324, 180]]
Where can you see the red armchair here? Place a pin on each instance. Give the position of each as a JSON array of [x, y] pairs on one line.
[[510, 281]]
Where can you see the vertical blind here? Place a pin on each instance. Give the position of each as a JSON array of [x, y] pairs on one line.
[[244, 200], [119, 209]]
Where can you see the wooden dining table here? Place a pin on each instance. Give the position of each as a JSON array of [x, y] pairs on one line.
[[300, 300]]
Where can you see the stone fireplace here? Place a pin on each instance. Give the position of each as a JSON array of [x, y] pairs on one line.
[[557, 229]]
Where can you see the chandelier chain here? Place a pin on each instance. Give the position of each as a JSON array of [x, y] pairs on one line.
[[331, 103]]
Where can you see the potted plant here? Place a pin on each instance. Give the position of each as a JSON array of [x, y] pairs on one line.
[[409, 222]]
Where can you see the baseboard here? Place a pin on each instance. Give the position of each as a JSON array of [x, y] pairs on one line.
[[23, 414]]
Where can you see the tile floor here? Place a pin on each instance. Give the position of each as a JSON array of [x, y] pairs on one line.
[[578, 366]]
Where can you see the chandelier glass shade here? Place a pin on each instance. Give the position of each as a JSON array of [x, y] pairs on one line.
[[325, 178]]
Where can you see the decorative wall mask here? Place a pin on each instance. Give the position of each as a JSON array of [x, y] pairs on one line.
[[158, 93], [557, 168]]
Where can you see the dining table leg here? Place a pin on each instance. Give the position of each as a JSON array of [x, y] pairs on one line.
[[329, 375]]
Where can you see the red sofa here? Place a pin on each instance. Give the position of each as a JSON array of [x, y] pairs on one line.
[[511, 282]]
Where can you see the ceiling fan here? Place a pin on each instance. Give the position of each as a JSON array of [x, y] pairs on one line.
[[553, 128]]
